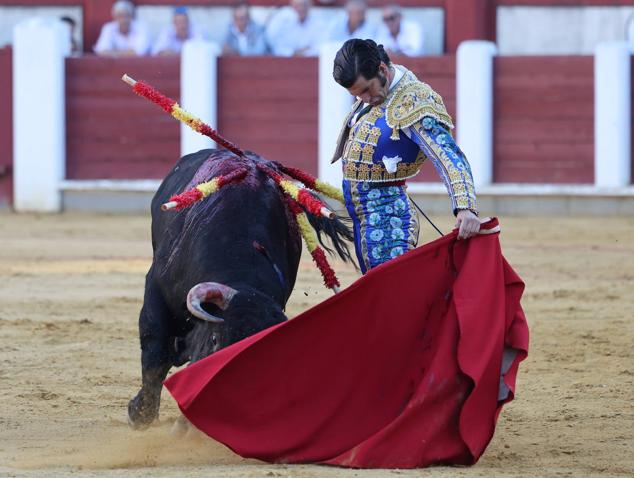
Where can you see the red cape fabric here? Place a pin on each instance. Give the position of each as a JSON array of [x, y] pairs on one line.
[[399, 370]]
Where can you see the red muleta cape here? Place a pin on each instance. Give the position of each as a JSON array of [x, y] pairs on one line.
[[399, 370]]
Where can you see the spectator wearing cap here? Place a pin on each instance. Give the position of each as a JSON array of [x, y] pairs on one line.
[[295, 31], [172, 37], [244, 36], [398, 36], [124, 36], [353, 23]]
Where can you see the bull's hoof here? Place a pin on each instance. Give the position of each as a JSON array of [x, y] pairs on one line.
[[141, 414]]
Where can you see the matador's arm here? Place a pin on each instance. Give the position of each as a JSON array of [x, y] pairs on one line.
[[438, 145]]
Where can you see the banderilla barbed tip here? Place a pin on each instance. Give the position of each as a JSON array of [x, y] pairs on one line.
[[128, 79]]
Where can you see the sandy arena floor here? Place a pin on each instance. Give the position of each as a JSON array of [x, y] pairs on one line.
[[71, 291]]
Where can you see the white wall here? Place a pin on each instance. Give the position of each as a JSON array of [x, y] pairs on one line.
[[11, 16], [559, 30], [39, 158]]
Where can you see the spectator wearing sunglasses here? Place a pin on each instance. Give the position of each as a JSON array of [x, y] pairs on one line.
[[398, 36]]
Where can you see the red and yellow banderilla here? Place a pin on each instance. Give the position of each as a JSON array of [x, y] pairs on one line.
[[173, 108], [200, 192], [297, 195]]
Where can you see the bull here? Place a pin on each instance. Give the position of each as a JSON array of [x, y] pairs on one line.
[[222, 269]]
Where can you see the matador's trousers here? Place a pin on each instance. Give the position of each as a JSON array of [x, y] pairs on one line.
[[385, 222]]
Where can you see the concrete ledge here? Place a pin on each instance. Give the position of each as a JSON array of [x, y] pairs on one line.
[[516, 189], [111, 196], [126, 185], [108, 196], [129, 202], [531, 200]]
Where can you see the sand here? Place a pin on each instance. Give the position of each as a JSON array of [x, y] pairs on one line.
[[72, 288]]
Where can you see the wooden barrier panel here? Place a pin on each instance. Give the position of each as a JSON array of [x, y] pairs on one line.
[[544, 120], [110, 132], [544, 131], [6, 127], [269, 106]]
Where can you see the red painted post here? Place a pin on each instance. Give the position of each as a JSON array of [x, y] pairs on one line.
[[96, 13], [6, 127], [468, 20]]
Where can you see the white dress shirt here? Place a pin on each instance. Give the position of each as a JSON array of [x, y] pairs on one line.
[[168, 41], [111, 39], [338, 30], [409, 40], [286, 34]]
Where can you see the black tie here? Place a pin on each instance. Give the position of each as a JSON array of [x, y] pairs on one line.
[[363, 112]]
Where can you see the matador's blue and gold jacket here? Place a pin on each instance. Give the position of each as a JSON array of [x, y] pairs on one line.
[[392, 140]]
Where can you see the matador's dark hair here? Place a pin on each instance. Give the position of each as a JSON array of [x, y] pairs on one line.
[[358, 57]]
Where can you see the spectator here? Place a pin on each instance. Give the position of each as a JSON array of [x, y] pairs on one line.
[[353, 24], [124, 36], [244, 37], [172, 37], [295, 31], [398, 36], [74, 45]]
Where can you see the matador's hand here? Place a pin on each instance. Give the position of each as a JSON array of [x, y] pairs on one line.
[[468, 224]]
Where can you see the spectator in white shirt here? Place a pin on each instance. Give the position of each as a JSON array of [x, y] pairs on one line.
[[398, 36], [353, 24], [244, 36], [172, 37], [295, 31], [124, 36]]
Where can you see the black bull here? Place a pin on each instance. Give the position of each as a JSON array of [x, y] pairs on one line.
[[222, 269]]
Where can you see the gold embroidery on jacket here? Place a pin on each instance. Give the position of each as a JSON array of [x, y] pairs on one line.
[[408, 102]]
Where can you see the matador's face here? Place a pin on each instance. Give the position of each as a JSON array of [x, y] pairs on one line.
[[373, 91]]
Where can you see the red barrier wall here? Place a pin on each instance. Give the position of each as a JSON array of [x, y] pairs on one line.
[[270, 106], [6, 128], [544, 130], [110, 132], [544, 125], [267, 105]]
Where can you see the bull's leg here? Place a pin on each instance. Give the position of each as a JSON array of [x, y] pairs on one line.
[[154, 332]]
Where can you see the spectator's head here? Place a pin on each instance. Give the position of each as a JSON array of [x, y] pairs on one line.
[[392, 18], [71, 24], [123, 13], [181, 23], [70, 21], [241, 17], [301, 7], [363, 68], [355, 9]]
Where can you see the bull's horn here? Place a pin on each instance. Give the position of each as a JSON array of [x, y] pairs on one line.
[[218, 294]]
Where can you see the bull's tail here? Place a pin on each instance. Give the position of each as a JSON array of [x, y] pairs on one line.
[[339, 233]]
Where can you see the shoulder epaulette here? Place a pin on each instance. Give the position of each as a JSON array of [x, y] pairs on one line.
[[411, 103]]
